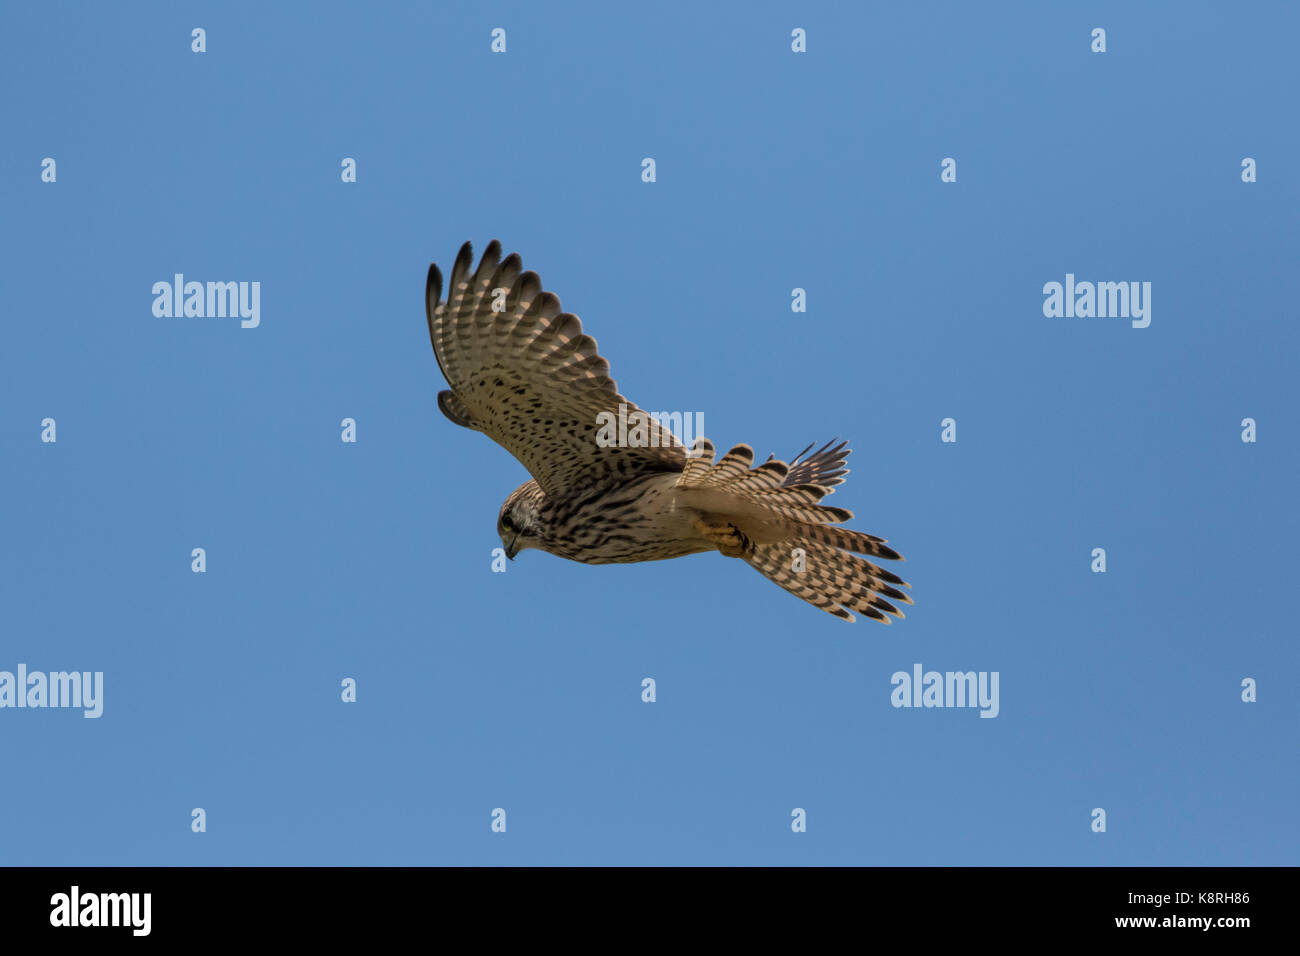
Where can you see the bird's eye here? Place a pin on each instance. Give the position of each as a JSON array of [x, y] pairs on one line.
[[507, 522]]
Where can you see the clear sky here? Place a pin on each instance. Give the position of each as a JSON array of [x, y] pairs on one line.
[[775, 170]]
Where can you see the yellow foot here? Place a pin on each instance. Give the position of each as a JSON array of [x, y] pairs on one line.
[[724, 536]]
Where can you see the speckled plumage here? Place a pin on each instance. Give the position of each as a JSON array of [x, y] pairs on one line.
[[523, 372]]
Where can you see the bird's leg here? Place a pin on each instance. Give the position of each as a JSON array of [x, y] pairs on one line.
[[724, 536]]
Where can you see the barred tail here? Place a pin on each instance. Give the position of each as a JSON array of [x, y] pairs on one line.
[[833, 580], [771, 517]]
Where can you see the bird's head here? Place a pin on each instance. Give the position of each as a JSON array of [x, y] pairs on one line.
[[519, 523]]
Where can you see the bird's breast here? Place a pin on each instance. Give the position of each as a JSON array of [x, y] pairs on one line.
[[641, 521]]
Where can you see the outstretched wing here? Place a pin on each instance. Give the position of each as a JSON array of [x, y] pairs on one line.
[[523, 372]]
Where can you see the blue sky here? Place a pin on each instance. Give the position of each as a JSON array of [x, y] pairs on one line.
[[522, 690]]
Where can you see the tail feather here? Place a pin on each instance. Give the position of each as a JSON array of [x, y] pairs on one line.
[[838, 586], [789, 503], [773, 562], [849, 540], [848, 569], [774, 510]]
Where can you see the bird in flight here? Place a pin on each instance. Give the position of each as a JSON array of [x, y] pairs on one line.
[[523, 372]]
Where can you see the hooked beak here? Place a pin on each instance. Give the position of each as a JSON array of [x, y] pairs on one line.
[[511, 550]]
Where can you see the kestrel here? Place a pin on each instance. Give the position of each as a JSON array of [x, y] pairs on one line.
[[522, 371]]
